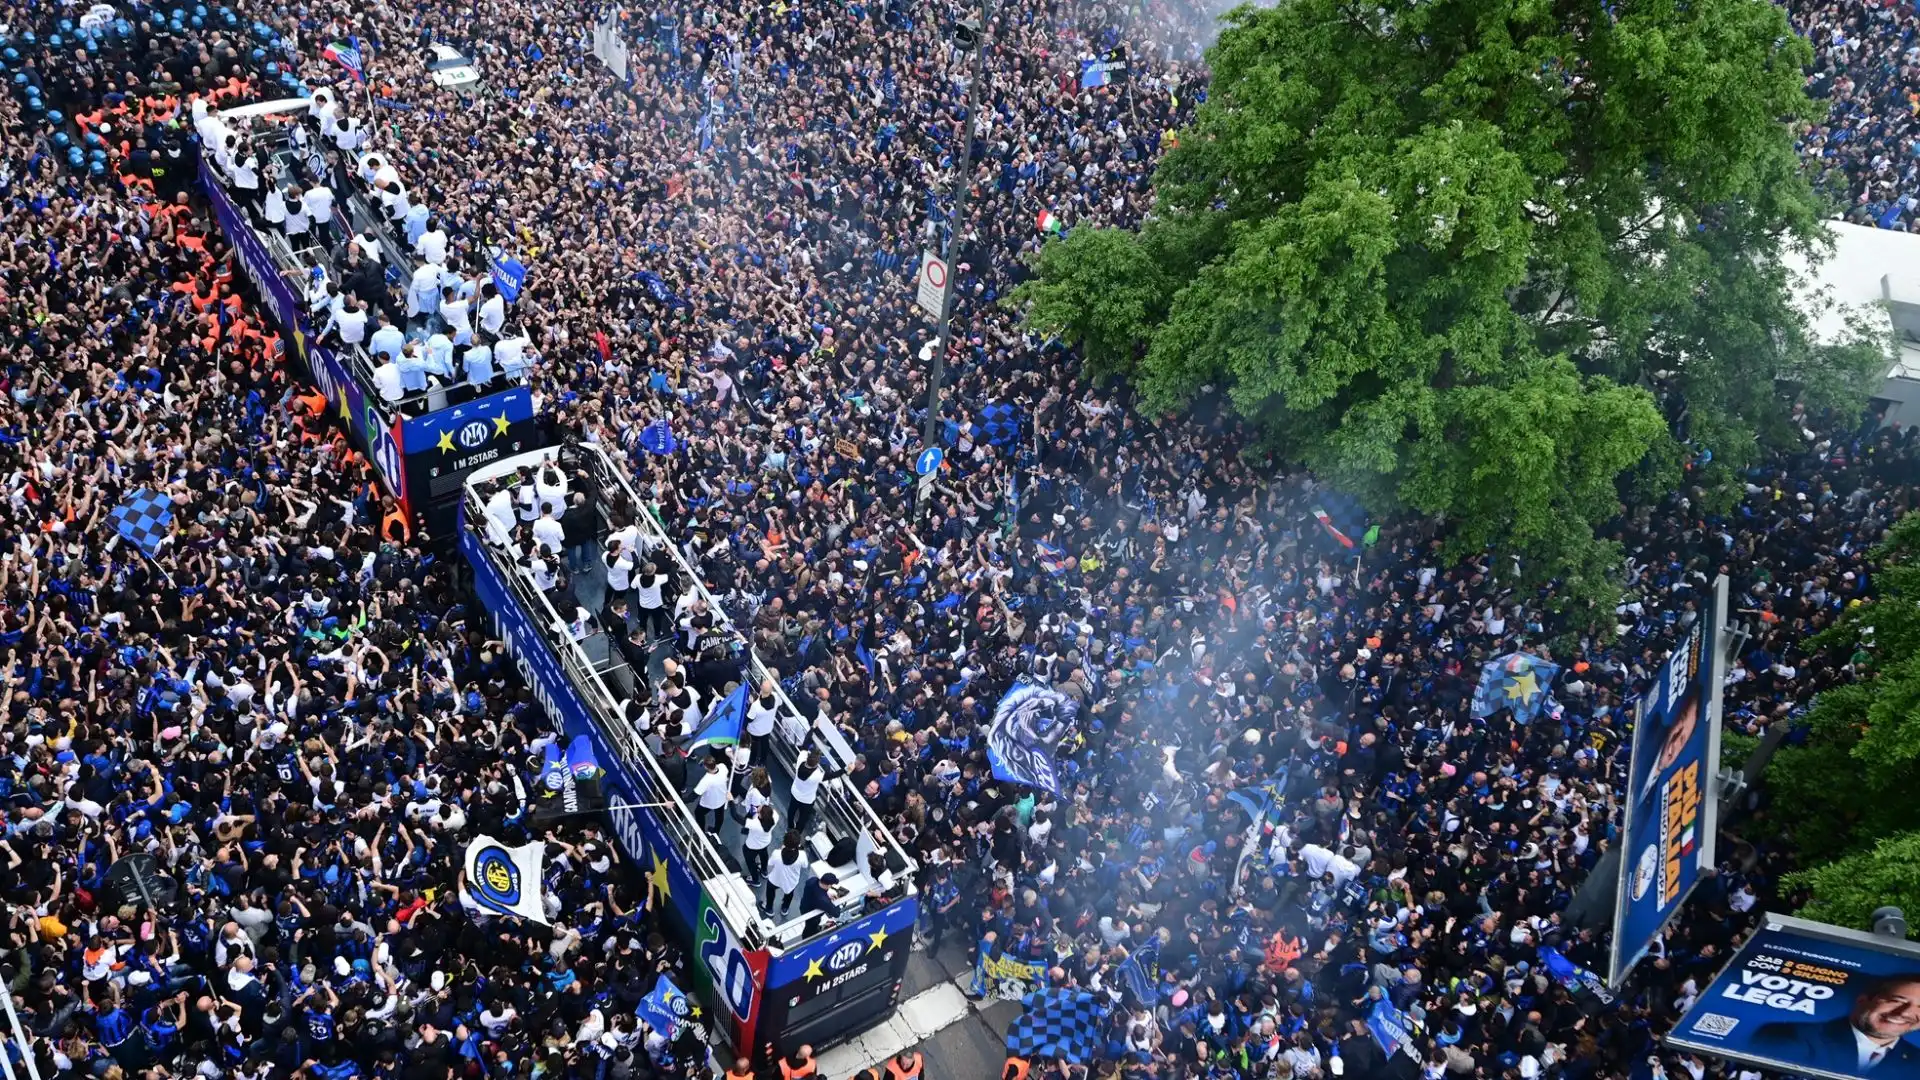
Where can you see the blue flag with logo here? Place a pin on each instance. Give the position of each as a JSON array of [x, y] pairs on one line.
[[1024, 736], [1518, 681], [580, 759], [666, 1008], [657, 438], [553, 771]]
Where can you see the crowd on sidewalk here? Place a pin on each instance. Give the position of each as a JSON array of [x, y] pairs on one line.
[[296, 712]]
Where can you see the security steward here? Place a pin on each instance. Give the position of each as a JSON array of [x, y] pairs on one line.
[[799, 1065], [906, 1065], [1017, 1068]]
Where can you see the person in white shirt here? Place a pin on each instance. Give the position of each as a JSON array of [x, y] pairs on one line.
[[808, 775], [318, 202], [246, 178], [423, 292], [550, 487], [432, 245], [785, 874], [275, 205], [500, 509], [539, 571], [493, 311], [454, 310], [386, 380], [297, 221], [547, 532], [369, 246], [351, 136], [757, 841], [761, 714], [350, 322], [619, 568], [713, 794], [509, 355]]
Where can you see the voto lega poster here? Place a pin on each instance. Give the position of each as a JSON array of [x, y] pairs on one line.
[[1806, 997]]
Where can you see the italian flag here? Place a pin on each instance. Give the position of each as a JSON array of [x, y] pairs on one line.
[[1047, 222], [1326, 522]]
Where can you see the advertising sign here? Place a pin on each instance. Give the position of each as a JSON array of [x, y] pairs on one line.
[[1808, 998], [1667, 832], [729, 978], [442, 447], [823, 991], [363, 424]]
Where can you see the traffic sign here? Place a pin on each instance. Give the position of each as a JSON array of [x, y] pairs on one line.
[[927, 461], [933, 284]]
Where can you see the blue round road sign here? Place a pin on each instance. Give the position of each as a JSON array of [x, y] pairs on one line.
[[928, 460]]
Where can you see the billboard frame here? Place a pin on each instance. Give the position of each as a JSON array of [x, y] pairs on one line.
[[1839, 935], [1708, 680]]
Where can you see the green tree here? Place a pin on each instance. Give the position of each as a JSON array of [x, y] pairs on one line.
[[1477, 258], [1845, 798]]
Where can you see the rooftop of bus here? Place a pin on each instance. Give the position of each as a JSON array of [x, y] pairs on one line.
[[619, 670]]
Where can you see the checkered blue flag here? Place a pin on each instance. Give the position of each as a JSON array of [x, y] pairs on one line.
[[144, 519], [1057, 1024]]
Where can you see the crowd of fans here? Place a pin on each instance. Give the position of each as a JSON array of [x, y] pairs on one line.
[[1865, 153], [300, 717]]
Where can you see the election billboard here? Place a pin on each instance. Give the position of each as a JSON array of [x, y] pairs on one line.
[[1668, 826], [1809, 998]]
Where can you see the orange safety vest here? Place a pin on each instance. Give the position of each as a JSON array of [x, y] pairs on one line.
[[798, 1072], [1017, 1069], [731, 1075], [1282, 951], [911, 1072], [398, 517]]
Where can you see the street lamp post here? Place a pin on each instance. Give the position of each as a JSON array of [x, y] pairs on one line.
[[963, 187]]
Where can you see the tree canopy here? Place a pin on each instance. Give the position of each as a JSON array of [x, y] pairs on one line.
[[1477, 258], [1844, 797]]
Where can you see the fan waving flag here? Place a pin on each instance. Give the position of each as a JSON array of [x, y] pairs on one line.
[[1054, 560], [580, 760], [657, 438], [1057, 1024], [506, 881], [725, 723], [1024, 736], [1517, 681], [347, 55], [666, 1009], [1047, 222], [145, 520], [1326, 522]]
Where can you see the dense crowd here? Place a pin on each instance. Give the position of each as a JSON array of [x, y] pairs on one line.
[[296, 713], [1865, 152]]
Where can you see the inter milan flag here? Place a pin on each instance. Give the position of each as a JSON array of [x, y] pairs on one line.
[[666, 1009], [144, 519], [568, 783], [1057, 1024], [506, 881], [1026, 731], [1517, 681]]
